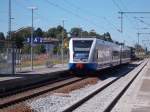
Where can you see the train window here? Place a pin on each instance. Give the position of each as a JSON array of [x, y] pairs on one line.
[[81, 55], [103, 53], [81, 49], [125, 54], [82, 45], [115, 54]]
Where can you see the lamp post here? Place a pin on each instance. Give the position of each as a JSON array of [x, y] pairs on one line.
[[9, 36], [62, 48], [32, 9], [9, 19]]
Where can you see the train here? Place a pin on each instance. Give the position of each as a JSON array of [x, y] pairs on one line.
[[92, 54]]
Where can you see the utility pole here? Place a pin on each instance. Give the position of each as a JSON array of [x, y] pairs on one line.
[[121, 30], [138, 42], [138, 34], [9, 20], [81, 33], [62, 47], [121, 15], [9, 36], [32, 35], [145, 41]]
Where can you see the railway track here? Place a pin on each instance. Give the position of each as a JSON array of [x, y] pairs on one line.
[[35, 90], [10, 87], [19, 97], [83, 104]]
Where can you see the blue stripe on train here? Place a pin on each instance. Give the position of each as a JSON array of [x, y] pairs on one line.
[[91, 66], [86, 66]]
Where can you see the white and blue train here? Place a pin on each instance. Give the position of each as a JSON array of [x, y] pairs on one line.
[[91, 54]]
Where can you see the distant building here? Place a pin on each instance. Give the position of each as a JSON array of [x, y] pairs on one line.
[[6, 65], [50, 43]]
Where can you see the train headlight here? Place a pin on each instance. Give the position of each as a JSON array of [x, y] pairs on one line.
[[79, 66]]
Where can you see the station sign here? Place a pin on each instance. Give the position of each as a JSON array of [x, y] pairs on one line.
[[36, 40]]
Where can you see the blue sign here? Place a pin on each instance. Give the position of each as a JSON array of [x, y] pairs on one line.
[[36, 40], [28, 40]]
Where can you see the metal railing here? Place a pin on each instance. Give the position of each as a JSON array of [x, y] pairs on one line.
[[6, 57], [44, 60]]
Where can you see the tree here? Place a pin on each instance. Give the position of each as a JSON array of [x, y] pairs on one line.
[[45, 34], [26, 49], [56, 49], [2, 37], [38, 32], [75, 32], [40, 49], [60, 29], [107, 37], [138, 47], [56, 32], [93, 33], [20, 35], [2, 44], [52, 32], [85, 34], [18, 39]]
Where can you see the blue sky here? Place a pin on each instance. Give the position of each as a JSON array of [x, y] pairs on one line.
[[100, 15]]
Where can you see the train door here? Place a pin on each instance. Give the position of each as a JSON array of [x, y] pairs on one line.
[[100, 55], [95, 57]]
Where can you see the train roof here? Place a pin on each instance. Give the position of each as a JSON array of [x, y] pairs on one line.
[[100, 41], [77, 38], [104, 43]]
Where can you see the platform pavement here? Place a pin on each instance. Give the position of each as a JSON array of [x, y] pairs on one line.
[[27, 77], [42, 69], [142, 99], [137, 96]]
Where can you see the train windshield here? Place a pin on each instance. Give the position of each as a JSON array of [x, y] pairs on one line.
[[81, 49]]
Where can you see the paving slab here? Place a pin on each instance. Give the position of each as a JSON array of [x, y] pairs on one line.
[[25, 77], [8, 78], [142, 100], [137, 97], [42, 69]]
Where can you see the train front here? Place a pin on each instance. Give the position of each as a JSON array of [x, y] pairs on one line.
[[81, 55]]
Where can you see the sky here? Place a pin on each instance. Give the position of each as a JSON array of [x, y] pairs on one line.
[[99, 15]]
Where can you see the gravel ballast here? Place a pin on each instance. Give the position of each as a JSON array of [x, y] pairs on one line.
[[56, 102], [102, 100]]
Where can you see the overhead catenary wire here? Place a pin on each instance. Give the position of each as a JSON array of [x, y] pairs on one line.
[[74, 14], [83, 10], [116, 4], [77, 15], [121, 1], [38, 16], [121, 10], [142, 21], [94, 15]]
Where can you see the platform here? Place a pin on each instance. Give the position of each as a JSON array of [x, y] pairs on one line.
[[42, 69], [27, 77], [142, 97], [137, 96]]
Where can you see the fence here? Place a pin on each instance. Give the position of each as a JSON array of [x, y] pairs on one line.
[[45, 59], [6, 57]]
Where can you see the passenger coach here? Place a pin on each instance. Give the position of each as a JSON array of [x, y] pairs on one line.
[[88, 54]]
